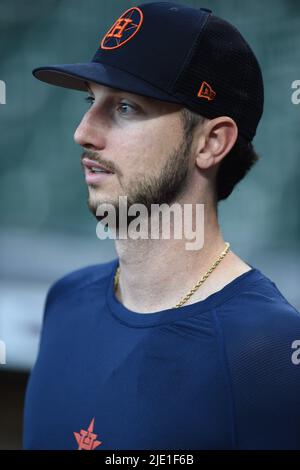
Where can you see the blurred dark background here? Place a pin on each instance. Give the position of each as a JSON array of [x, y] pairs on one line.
[[46, 228]]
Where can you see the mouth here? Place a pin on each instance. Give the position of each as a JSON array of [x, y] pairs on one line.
[[95, 172], [95, 167]]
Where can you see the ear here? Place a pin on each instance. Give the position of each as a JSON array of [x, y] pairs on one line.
[[217, 139]]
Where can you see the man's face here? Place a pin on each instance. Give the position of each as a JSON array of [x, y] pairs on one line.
[[141, 140]]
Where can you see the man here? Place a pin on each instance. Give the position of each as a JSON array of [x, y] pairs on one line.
[[164, 347]]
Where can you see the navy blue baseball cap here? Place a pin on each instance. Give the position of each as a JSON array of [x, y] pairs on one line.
[[174, 53]]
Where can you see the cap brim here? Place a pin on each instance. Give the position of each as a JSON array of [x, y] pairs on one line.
[[75, 76]]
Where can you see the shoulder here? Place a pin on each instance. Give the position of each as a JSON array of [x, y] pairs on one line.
[[258, 304], [78, 279], [260, 333], [260, 326], [259, 323]]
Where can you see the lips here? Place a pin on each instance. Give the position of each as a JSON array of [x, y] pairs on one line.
[[95, 173], [90, 165]]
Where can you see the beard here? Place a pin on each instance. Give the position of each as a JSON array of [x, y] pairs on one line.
[[165, 187]]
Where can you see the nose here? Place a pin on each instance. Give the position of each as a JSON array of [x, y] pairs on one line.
[[89, 132]]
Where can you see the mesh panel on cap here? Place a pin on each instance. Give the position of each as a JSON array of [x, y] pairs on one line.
[[223, 59]]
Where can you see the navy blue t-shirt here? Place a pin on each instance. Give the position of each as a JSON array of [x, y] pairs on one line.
[[216, 374]]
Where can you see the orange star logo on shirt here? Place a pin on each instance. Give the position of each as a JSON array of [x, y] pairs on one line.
[[86, 440]]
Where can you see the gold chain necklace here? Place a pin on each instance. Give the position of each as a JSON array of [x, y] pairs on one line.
[[184, 299]]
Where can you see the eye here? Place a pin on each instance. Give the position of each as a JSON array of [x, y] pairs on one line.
[[125, 105], [90, 99]]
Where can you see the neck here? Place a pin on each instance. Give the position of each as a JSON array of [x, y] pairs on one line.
[[155, 274]]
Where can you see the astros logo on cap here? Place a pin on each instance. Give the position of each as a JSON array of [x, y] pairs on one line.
[[126, 26]]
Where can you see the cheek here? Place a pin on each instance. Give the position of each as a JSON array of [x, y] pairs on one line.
[[145, 146], [167, 133], [134, 149]]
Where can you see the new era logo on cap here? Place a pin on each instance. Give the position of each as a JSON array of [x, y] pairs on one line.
[[206, 92]]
